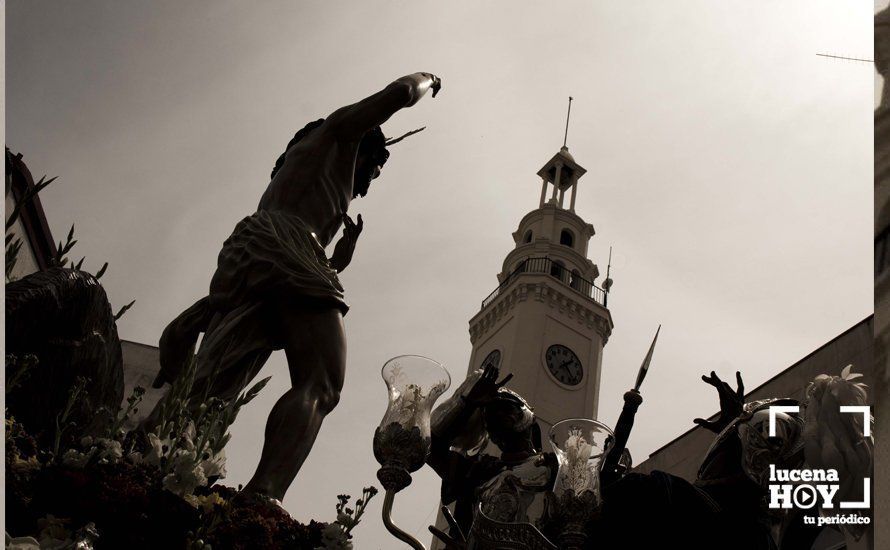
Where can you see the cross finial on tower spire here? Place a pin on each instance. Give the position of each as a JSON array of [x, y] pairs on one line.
[[566, 138]]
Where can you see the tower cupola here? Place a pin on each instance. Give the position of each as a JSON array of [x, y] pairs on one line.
[[563, 173]]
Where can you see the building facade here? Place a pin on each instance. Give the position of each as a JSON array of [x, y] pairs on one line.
[[882, 276], [682, 455], [30, 228]]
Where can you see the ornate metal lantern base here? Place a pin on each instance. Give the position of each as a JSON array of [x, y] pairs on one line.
[[488, 534], [400, 451], [393, 478], [574, 513]]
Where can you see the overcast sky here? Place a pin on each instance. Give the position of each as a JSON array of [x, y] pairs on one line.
[[728, 165]]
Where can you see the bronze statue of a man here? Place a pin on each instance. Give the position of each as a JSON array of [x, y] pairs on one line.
[[274, 288]]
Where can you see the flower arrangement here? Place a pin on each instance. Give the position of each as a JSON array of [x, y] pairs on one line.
[[577, 474], [119, 489], [103, 487]]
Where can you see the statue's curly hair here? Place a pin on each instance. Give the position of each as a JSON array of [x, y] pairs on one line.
[[373, 142]]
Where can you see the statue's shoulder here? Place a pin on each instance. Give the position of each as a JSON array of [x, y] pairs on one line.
[[344, 126], [314, 151]]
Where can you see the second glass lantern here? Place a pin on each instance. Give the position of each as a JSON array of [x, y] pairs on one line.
[[580, 445]]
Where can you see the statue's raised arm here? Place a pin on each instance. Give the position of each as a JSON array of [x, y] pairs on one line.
[[354, 120]]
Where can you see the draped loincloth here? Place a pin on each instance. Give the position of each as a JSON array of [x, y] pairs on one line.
[[270, 258], [271, 254]]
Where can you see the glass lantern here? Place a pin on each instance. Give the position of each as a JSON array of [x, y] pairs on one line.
[[580, 445], [402, 441]]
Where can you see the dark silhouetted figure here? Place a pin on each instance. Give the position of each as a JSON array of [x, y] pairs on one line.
[[274, 288]]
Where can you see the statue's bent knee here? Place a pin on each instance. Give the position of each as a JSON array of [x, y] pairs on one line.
[[328, 399]]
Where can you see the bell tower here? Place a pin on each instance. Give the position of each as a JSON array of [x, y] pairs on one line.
[[547, 321]]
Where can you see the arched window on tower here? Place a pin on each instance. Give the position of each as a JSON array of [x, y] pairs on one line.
[[566, 238], [528, 236], [558, 270]]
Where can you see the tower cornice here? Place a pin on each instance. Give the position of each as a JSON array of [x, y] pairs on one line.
[[534, 286]]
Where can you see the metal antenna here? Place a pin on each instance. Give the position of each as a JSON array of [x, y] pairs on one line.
[[566, 138], [609, 267], [607, 284], [845, 57]]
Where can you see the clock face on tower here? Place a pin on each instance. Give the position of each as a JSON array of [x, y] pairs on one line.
[[564, 365], [493, 358]]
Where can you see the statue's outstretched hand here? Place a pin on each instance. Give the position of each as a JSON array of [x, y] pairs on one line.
[[486, 388], [436, 85], [345, 247], [731, 402], [420, 84]]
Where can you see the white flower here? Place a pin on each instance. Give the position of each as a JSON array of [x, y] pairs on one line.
[[21, 543], [110, 450], [186, 475], [333, 538], [215, 466], [187, 437], [156, 451], [53, 533], [76, 459], [135, 457], [50, 543]]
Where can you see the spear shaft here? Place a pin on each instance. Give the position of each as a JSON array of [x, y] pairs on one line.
[[632, 401]]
